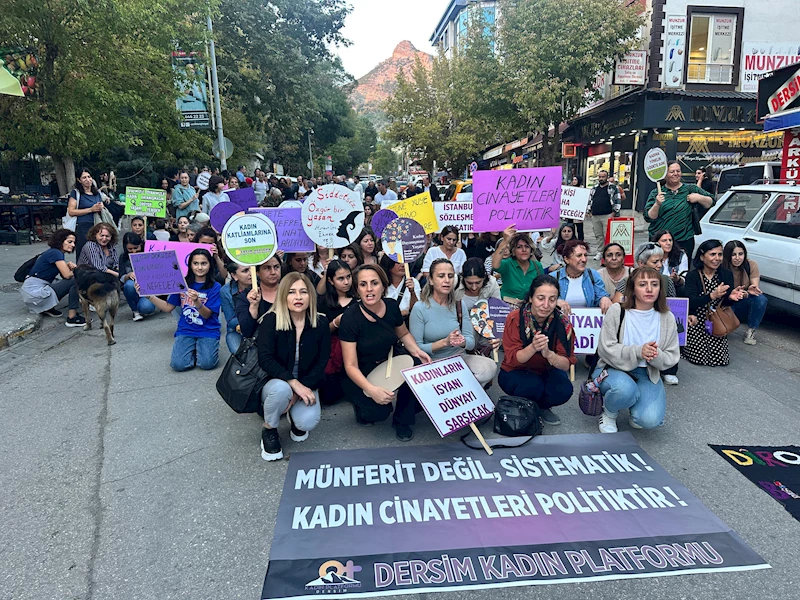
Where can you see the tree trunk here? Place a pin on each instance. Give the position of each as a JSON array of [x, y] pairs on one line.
[[65, 173]]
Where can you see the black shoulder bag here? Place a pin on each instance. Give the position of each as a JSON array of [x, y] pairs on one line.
[[242, 377]]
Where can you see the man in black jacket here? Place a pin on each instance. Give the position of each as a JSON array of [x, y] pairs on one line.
[[432, 189]]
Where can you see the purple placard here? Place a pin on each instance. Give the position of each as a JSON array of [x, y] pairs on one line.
[[289, 226], [403, 240], [222, 213], [489, 317], [245, 197], [182, 250], [381, 219], [527, 198], [680, 308], [158, 273]]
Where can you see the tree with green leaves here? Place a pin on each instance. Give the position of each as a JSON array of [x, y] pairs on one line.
[[551, 52], [105, 78]]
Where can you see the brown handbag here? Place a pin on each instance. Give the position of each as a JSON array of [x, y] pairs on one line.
[[723, 319]]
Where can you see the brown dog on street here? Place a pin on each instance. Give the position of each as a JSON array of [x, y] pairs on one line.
[[101, 290]]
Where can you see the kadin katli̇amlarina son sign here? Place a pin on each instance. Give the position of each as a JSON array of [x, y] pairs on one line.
[[563, 508]]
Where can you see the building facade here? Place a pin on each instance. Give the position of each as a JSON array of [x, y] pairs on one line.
[[452, 27], [689, 89]]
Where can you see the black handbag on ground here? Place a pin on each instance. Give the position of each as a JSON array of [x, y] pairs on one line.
[[242, 378], [516, 416]]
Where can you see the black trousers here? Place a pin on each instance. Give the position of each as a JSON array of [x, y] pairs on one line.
[[368, 411], [688, 247]]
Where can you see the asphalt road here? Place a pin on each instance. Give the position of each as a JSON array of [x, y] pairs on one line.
[[121, 479]]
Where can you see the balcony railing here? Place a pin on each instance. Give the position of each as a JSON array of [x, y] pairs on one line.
[[709, 73]]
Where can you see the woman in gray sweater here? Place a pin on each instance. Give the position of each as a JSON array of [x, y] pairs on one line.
[[441, 325], [638, 340]]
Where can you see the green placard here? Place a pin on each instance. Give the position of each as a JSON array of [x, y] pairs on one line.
[[145, 202]]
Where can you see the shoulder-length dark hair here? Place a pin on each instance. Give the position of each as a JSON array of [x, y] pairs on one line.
[[331, 295], [474, 267], [134, 239], [375, 269], [645, 273], [702, 249], [540, 281], [367, 231], [79, 185], [674, 256], [212, 269], [727, 256], [59, 237], [560, 238]]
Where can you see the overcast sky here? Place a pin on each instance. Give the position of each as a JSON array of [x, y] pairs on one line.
[[376, 26]]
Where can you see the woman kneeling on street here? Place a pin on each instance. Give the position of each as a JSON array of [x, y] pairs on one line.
[[539, 347], [366, 343], [639, 339], [294, 344]]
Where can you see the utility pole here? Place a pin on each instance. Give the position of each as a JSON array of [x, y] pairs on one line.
[[223, 160], [310, 156]]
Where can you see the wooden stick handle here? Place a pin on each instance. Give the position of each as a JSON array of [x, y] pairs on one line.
[[254, 277], [408, 272], [572, 372], [389, 363], [494, 355], [478, 435], [330, 253], [658, 184]]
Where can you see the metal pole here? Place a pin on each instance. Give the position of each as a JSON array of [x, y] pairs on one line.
[[310, 156], [223, 160]]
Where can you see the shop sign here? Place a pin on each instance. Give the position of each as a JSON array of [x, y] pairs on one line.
[[778, 92], [494, 152], [515, 144], [603, 128], [761, 58], [631, 68], [685, 112], [785, 95], [674, 51], [790, 163]]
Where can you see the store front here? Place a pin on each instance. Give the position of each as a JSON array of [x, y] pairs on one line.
[[696, 128]]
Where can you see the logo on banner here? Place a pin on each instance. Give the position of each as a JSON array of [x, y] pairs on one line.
[[675, 114], [335, 577]]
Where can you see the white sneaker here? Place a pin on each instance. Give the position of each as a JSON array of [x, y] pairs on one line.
[[598, 256], [137, 316], [634, 424], [671, 379], [750, 337], [608, 422]]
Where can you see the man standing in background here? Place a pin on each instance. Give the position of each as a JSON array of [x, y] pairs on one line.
[[603, 203]]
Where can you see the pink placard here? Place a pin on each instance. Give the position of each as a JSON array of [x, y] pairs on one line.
[[527, 198], [182, 250]]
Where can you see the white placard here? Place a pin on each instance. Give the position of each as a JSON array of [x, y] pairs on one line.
[[203, 179], [449, 393], [760, 58], [458, 213], [587, 323], [631, 69], [574, 202], [333, 216], [674, 51]]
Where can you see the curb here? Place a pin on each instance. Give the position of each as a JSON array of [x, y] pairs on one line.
[[15, 336]]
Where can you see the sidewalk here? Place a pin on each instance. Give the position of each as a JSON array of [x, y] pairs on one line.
[[15, 320]]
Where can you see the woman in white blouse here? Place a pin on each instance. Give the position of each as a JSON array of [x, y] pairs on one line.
[[449, 250]]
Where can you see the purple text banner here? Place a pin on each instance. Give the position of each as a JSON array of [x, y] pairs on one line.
[[158, 273], [527, 198], [182, 250], [289, 225], [563, 508]]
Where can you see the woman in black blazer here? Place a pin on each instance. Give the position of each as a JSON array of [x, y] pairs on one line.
[[708, 287], [294, 345]]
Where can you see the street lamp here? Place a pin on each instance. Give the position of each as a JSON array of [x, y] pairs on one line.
[[310, 156]]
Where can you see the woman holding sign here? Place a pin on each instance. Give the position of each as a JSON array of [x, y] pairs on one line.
[[197, 336], [441, 324], [449, 250], [513, 259], [141, 307], [539, 348], [368, 332], [671, 208], [294, 344], [638, 340]]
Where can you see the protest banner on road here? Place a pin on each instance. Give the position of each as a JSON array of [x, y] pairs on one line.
[[449, 393], [574, 202], [145, 202], [182, 250], [620, 231], [563, 508], [775, 469], [333, 216], [420, 209], [680, 308], [245, 197], [586, 323], [158, 273], [289, 226], [527, 198], [458, 214]]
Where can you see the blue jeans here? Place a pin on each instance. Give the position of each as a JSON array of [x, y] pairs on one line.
[[189, 352], [233, 339], [647, 401], [551, 388], [751, 310], [136, 302]]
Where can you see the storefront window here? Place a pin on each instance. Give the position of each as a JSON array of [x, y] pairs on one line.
[[711, 48], [595, 164]]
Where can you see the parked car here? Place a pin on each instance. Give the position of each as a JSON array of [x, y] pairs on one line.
[[457, 187], [746, 174], [767, 219]]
